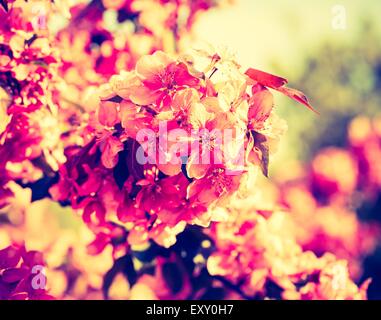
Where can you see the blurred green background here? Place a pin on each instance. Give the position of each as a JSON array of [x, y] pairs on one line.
[[339, 69]]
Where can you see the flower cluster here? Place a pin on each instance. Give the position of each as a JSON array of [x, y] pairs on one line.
[[104, 38], [28, 67], [168, 142], [256, 250], [22, 274], [44, 73]]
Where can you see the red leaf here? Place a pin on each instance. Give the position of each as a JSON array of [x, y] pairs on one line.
[[297, 96], [277, 83], [266, 79]]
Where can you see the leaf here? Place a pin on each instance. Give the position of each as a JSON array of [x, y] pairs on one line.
[[147, 255], [277, 83], [273, 290], [173, 277], [40, 188], [124, 265], [262, 147], [115, 99], [120, 171], [134, 168], [266, 79], [130, 271], [297, 96]]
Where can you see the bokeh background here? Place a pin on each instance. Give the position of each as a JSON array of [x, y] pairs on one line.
[[338, 68]]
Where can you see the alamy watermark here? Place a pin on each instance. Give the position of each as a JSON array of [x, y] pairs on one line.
[[38, 278], [339, 17], [201, 146]]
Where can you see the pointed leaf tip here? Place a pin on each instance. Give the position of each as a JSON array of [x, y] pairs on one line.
[[297, 96]]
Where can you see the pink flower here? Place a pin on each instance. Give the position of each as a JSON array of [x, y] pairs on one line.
[[18, 274], [161, 78]]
